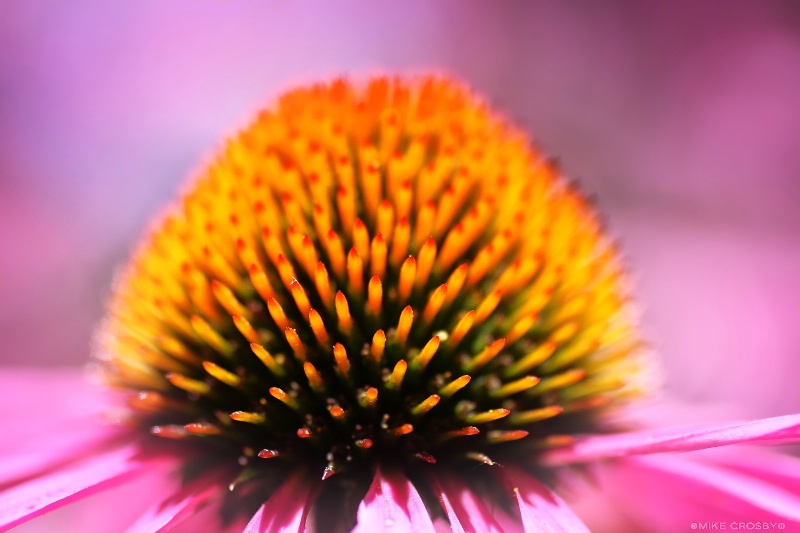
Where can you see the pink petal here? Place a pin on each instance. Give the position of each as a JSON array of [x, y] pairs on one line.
[[464, 510], [39, 495], [208, 520], [785, 429], [776, 468], [392, 504], [33, 393], [440, 525], [598, 510], [112, 509], [37, 404], [669, 493], [48, 418], [257, 524], [180, 506], [63, 445], [540, 509], [286, 510], [452, 514]]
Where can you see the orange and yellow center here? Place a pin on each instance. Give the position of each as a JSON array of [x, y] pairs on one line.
[[376, 272]]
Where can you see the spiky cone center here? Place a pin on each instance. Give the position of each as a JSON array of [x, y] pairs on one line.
[[369, 274]]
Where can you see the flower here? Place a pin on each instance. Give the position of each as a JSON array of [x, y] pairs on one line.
[[380, 309]]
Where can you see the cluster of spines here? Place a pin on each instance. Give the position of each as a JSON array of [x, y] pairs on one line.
[[474, 300]]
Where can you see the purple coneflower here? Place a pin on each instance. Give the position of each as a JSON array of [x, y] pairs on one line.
[[379, 309]]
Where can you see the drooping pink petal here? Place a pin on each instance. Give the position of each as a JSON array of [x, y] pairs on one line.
[[287, 509], [113, 508], [63, 445], [598, 510], [776, 468], [208, 519], [37, 404], [464, 510], [259, 523], [69, 393], [186, 502], [392, 504], [441, 525], [49, 418], [785, 429], [540, 509], [452, 514], [22, 425], [39, 495], [671, 492]]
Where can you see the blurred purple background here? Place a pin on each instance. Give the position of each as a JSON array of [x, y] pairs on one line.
[[683, 120]]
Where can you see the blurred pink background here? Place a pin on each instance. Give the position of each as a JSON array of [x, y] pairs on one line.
[[682, 119]]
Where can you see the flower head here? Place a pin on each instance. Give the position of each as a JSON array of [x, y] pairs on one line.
[[378, 307], [373, 276]]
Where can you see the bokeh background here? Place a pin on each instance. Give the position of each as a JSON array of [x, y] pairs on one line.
[[682, 118]]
